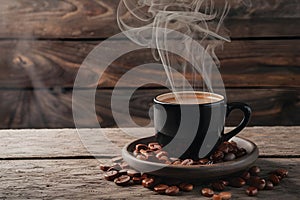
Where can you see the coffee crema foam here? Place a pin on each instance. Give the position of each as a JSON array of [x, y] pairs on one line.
[[190, 98]]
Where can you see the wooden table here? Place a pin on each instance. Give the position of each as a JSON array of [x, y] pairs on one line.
[[54, 164]]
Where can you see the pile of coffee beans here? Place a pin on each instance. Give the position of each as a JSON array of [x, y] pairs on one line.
[[123, 175], [153, 152]]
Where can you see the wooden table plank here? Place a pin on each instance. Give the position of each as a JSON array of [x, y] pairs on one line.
[[244, 63], [272, 141], [81, 179], [97, 18]]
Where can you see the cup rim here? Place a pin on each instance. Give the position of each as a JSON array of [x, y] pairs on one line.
[[156, 99]]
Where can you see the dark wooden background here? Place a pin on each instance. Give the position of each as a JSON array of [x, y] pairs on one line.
[[43, 43]]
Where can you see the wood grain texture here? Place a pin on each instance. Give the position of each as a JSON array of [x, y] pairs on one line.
[[53, 108], [275, 141], [81, 179], [97, 18], [44, 64]]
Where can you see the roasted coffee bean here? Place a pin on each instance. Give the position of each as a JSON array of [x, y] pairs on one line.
[[260, 184], [172, 190], [137, 180], [225, 195], [274, 179], [281, 172], [139, 147], [122, 180], [176, 162], [187, 162], [251, 191], [136, 153], [203, 161], [141, 157], [161, 153], [225, 183], [123, 172], [144, 176], [254, 171], [237, 182], [161, 188], [116, 167], [219, 186], [111, 175], [207, 192], [269, 185], [224, 147], [217, 197], [186, 187], [233, 143], [240, 152], [148, 182], [154, 146], [252, 180], [218, 155], [229, 157], [104, 167], [133, 173], [117, 159], [245, 175]]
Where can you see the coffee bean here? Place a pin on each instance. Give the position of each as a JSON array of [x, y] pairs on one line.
[[139, 147], [172, 190], [281, 172], [207, 192], [229, 157], [154, 146], [116, 167], [176, 162], [144, 176], [225, 195], [252, 180], [217, 197], [254, 171], [141, 157], [219, 186], [187, 162], [161, 188], [203, 161], [251, 191], [133, 173], [161, 153], [225, 183], [274, 179], [148, 182], [245, 175], [237, 182], [217, 156], [111, 175], [104, 167], [233, 143], [122, 180], [269, 185], [260, 184], [224, 147], [186, 187], [137, 180], [136, 153], [123, 172], [240, 152]]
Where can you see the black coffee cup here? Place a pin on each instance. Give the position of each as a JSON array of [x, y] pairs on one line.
[[191, 124]]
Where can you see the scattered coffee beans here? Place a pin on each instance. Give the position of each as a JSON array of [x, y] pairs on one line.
[[172, 190], [120, 172], [251, 191], [207, 192]]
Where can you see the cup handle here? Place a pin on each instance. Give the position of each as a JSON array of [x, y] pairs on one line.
[[247, 113]]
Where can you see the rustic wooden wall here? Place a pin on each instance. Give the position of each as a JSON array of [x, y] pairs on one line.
[[43, 43]]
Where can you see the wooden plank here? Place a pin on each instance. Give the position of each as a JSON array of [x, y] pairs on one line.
[[43, 64], [53, 109], [97, 18], [81, 179], [272, 141]]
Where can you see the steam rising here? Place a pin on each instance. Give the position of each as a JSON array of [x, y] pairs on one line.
[[199, 19]]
